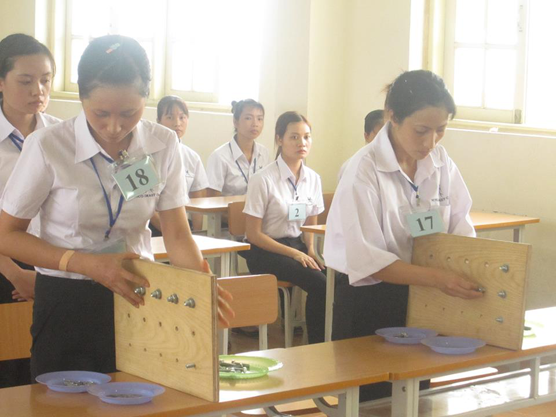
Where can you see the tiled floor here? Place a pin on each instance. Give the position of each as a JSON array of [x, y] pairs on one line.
[[241, 343]]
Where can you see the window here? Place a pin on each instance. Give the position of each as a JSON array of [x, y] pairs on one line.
[[201, 50], [498, 61]]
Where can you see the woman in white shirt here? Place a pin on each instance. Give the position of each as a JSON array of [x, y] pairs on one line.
[[87, 229], [26, 71], [173, 113], [402, 172], [231, 165], [281, 198]]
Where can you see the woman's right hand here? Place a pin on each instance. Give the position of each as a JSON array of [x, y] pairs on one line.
[[306, 260], [107, 269], [455, 285]]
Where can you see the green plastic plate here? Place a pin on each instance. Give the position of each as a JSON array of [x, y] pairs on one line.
[[258, 367]]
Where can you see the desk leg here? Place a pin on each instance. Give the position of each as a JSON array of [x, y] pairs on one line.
[[518, 234], [405, 398], [329, 312], [214, 224], [348, 403], [534, 365], [225, 264], [223, 341]]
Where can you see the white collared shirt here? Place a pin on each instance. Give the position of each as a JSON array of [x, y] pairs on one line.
[[55, 176], [9, 153], [270, 195], [228, 169], [366, 229], [195, 174]]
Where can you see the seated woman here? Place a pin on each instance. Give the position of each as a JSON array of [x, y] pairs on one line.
[[281, 198], [231, 165], [173, 113]]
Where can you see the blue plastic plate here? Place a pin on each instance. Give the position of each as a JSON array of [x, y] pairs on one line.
[[405, 335], [453, 345], [72, 381], [126, 393]]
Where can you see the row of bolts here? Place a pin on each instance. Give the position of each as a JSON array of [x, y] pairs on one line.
[[190, 302]]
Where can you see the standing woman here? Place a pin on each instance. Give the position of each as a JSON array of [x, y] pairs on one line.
[[65, 172], [26, 71], [230, 166], [403, 172], [281, 198], [173, 113]]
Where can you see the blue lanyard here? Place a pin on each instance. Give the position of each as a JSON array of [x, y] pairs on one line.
[[292, 184], [241, 170], [16, 140], [416, 189], [112, 219]]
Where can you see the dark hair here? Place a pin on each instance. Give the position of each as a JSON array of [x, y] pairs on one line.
[[373, 119], [113, 60], [239, 106], [17, 45], [415, 90], [282, 125], [167, 104]]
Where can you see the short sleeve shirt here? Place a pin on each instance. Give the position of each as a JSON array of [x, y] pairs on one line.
[[271, 193], [229, 171], [54, 176], [366, 229], [195, 174], [9, 152]]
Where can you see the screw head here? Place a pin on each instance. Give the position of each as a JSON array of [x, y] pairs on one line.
[[190, 302], [173, 299], [156, 294], [505, 268], [140, 291]]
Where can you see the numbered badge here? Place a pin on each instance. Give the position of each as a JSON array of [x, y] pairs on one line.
[[297, 212], [424, 223], [136, 176]]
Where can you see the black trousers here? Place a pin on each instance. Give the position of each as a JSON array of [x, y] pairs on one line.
[[361, 311], [14, 372], [313, 282], [73, 326]]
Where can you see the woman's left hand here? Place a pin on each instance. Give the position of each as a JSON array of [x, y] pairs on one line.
[[313, 255]]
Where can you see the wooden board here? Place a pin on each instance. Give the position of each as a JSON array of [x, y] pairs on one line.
[[480, 260], [15, 333], [160, 340]]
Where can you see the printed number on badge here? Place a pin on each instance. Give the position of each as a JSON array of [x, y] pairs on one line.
[[137, 178], [424, 223], [297, 212]]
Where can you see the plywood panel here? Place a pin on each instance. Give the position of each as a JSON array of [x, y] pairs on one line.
[[497, 320], [168, 343], [15, 334]]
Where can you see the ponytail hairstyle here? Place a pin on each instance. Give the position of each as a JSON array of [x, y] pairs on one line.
[[415, 90], [19, 44], [239, 106], [282, 125], [113, 60]]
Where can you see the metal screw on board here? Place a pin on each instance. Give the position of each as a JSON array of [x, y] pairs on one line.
[[140, 291], [505, 268], [190, 302], [173, 299], [156, 294], [502, 294], [500, 319], [190, 366]]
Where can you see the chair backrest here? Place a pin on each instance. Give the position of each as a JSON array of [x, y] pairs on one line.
[[327, 197], [255, 301], [15, 322], [236, 218]]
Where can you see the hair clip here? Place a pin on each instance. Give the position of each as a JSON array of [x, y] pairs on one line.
[[113, 48]]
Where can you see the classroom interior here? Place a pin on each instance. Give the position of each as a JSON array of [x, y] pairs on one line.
[[330, 60]]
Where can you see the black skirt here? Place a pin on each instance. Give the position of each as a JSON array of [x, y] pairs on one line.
[[73, 326]]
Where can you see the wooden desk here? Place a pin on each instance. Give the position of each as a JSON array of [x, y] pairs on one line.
[[481, 221], [498, 221], [213, 208], [308, 372]]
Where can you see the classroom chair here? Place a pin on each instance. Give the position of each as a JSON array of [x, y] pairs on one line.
[[254, 304], [15, 324], [293, 314]]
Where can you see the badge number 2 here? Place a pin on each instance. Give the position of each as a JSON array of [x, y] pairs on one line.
[[425, 223]]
